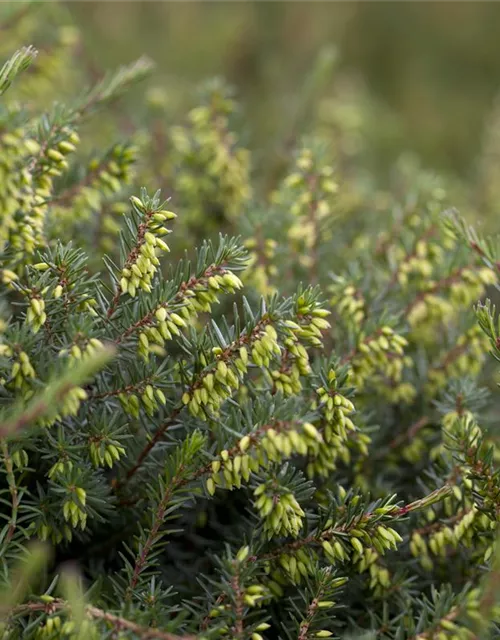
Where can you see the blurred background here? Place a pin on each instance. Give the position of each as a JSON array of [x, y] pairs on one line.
[[434, 65]]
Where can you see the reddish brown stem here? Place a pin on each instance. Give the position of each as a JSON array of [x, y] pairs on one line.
[[238, 627], [159, 516]]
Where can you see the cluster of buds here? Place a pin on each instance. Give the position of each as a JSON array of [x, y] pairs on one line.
[[261, 267], [294, 567], [419, 549], [255, 595], [429, 310], [36, 315], [69, 405], [49, 162], [74, 508], [82, 348], [218, 382], [8, 277], [311, 184], [196, 296], [295, 361], [53, 532], [212, 170], [348, 302], [229, 471], [308, 192], [420, 264], [16, 187], [279, 509], [278, 443], [111, 172], [142, 262], [335, 409], [20, 458], [291, 568], [311, 322], [462, 289], [22, 371], [464, 359], [54, 161], [200, 296], [161, 325], [379, 537], [464, 531], [265, 346], [478, 476], [63, 287], [389, 382], [104, 178], [380, 578], [307, 326], [465, 291], [55, 627], [308, 167], [62, 466], [148, 395], [286, 380], [334, 551], [377, 353], [452, 624], [105, 451]]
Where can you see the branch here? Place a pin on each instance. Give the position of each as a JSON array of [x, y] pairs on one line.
[[150, 445], [113, 85], [20, 61], [455, 276], [52, 397], [311, 612], [245, 338], [11, 480], [159, 516], [132, 257], [119, 623], [331, 532], [179, 298], [238, 627]]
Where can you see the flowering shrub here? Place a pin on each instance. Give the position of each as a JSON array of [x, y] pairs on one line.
[[286, 433]]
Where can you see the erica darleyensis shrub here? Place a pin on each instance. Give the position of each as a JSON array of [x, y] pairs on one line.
[[234, 412]]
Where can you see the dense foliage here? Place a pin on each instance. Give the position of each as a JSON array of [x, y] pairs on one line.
[[279, 422]]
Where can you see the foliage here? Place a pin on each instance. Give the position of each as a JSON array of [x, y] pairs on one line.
[[284, 433]]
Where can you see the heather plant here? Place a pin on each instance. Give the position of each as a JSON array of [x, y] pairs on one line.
[[287, 432]]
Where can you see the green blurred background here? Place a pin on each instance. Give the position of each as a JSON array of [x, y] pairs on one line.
[[434, 65]]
